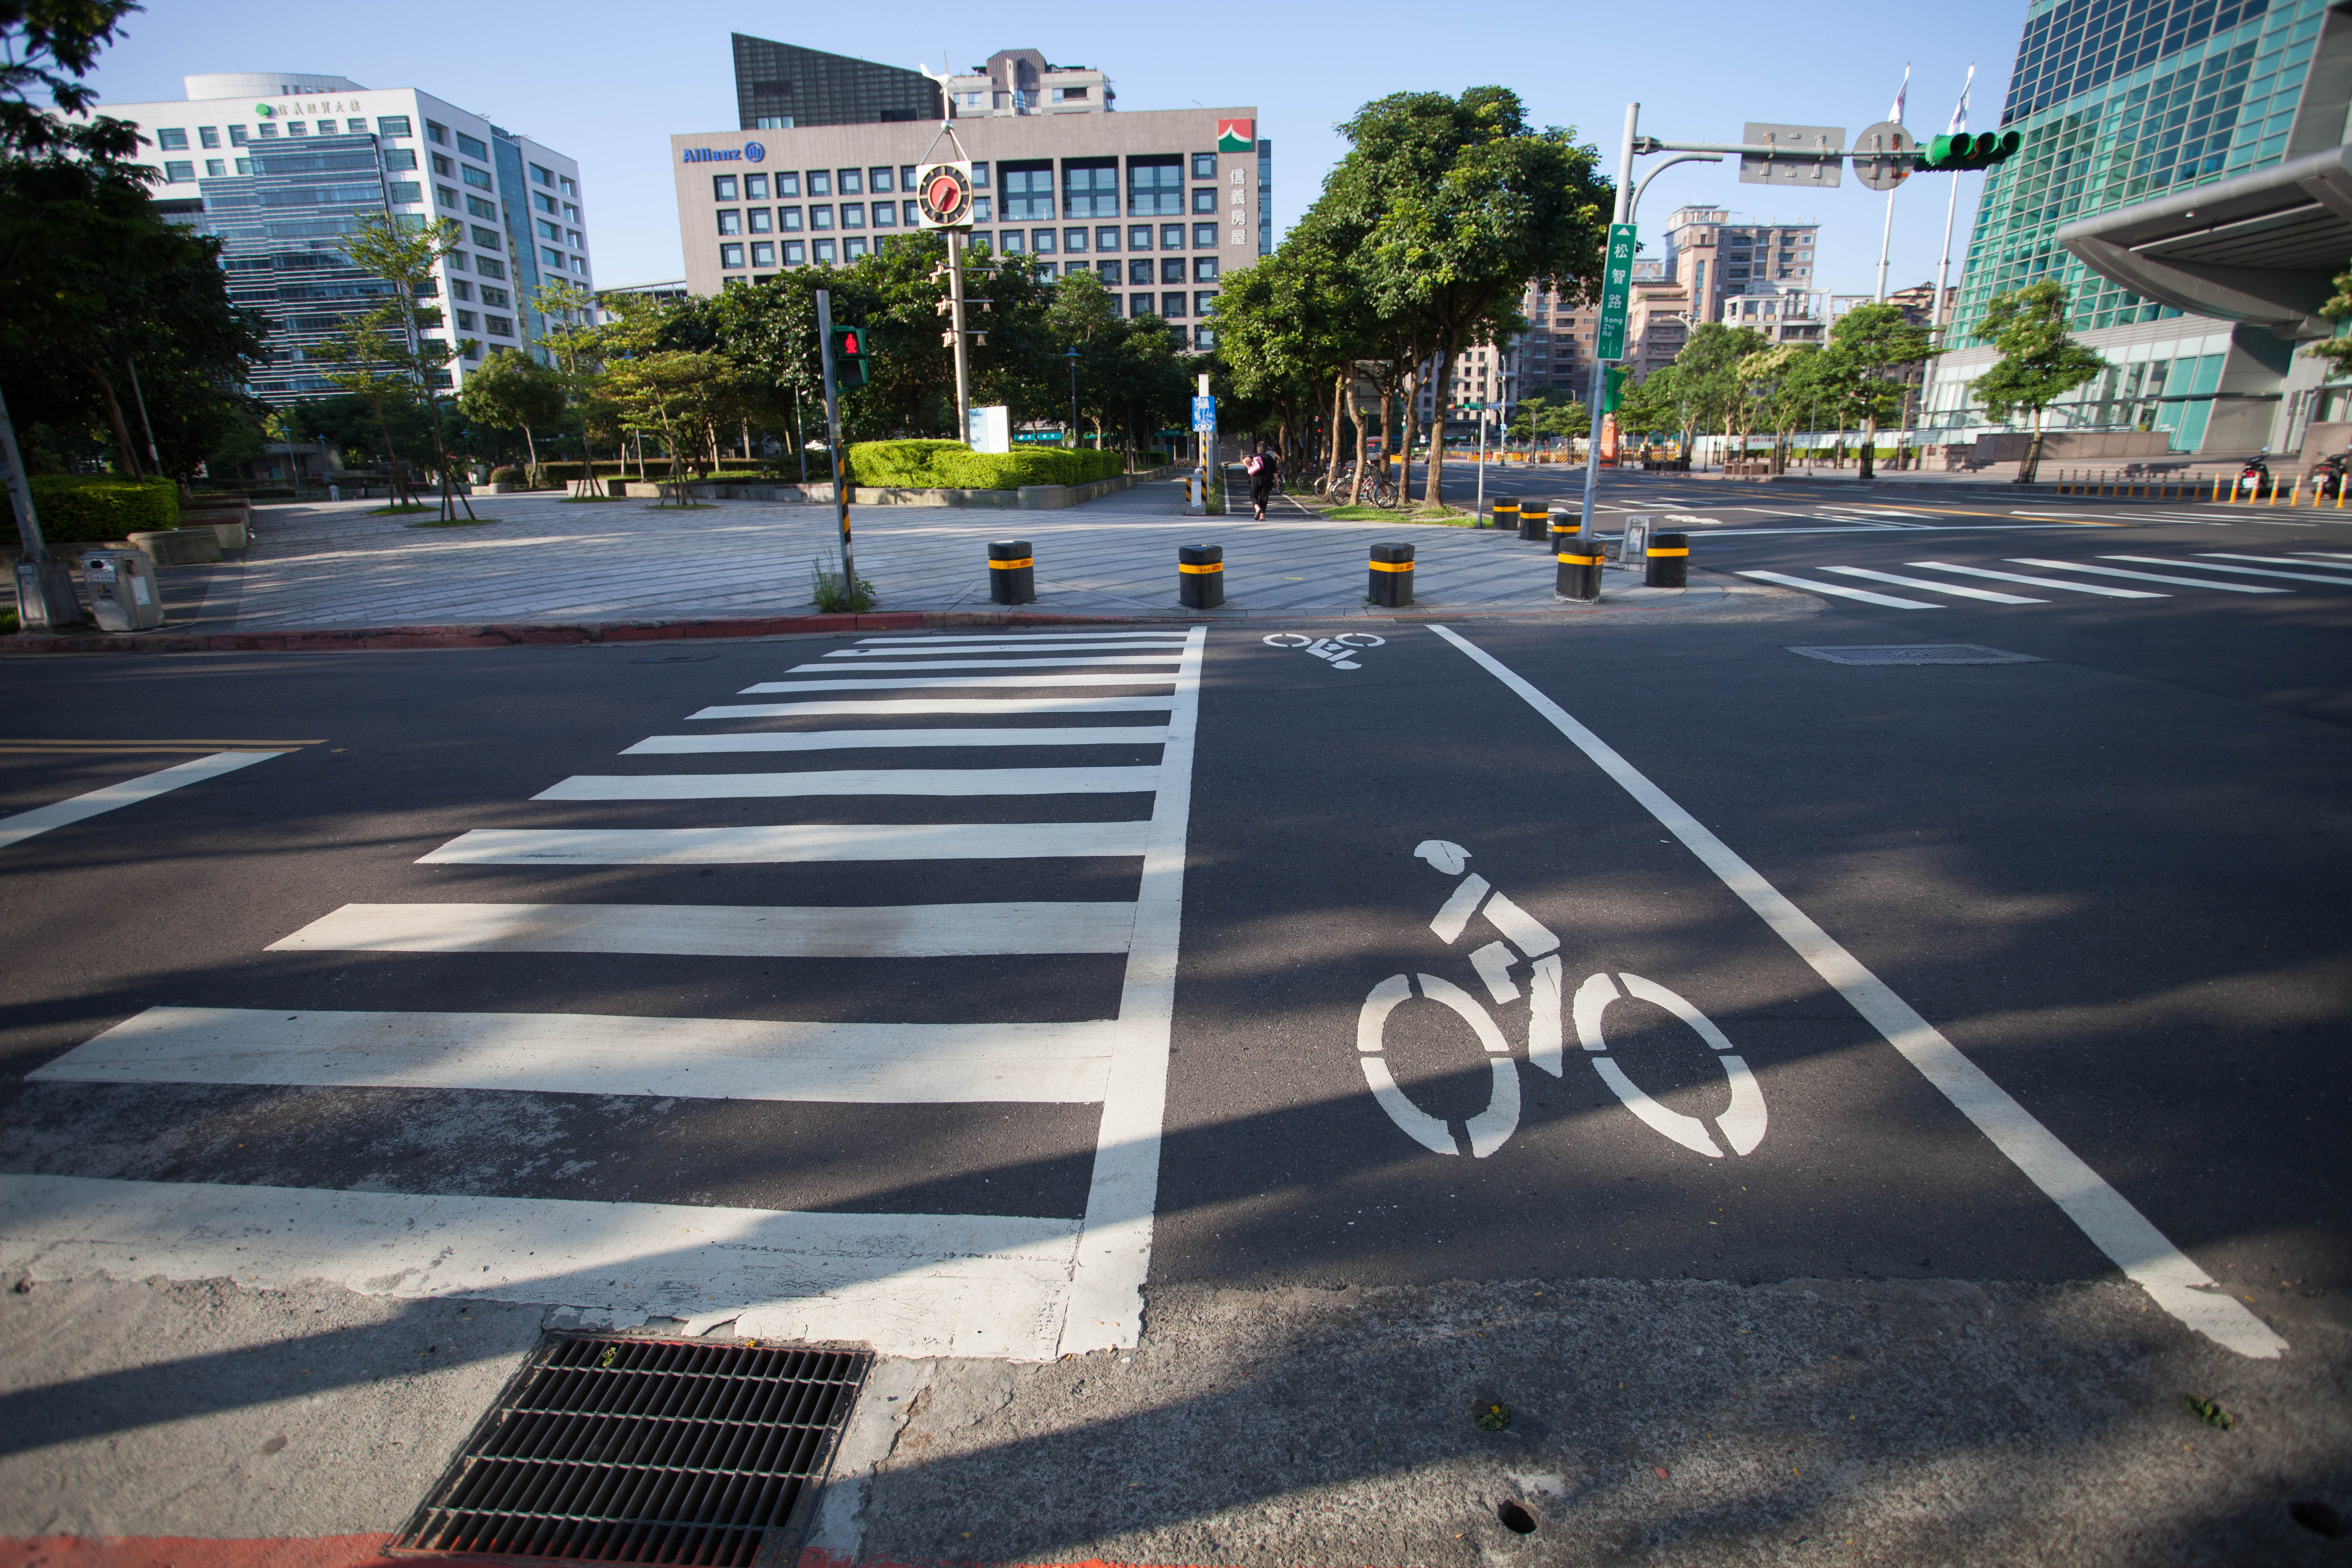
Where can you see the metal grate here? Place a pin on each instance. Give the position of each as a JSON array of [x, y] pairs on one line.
[[1918, 653], [605, 1449]]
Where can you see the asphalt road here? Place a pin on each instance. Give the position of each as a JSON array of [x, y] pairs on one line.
[[2109, 873]]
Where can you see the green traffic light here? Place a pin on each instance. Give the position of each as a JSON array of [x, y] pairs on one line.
[[1961, 151]]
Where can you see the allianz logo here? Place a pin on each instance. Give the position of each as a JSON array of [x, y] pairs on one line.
[[749, 152]]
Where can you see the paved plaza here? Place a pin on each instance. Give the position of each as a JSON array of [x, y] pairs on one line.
[[540, 558]]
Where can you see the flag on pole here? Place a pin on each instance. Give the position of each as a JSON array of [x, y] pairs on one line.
[[1960, 115], [1896, 113]]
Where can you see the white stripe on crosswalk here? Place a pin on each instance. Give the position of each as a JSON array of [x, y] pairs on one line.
[[1002, 663], [584, 1052], [2330, 554], [1864, 594], [24, 824], [1176, 636], [931, 682], [909, 1284], [855, 780], [1022, 646], [796, 843], [2037, 582], [2308, 575], [722, 931], [854, 739], [2146, 576], [893, 706], [1902, 582]]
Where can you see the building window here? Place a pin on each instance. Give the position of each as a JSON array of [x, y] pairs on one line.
[[1204, 338], [730, 221], [480, 208], [177, 171], [471, 148], [852, 248], [401, 190], [981, 210], [567, 184], [1139, 236], [1074, 239], [488, 238], [730, 256], [795, 253], [468, 321], [1202, 298], [500, 326], [172, 140], [209, 136], [886, 214], [773, 122], [1089, 187], [820, 217], [982, 241], [1205, 268], [489, 266], [543, 202], [906, 176], [852, 215], [443, 166], [1106, 239], [552, 258], [762, 220], [399, 160], [763, 253], [266, 130], [1028, 192], [912, 215], [1205, 237], [1041, 242], [245, 165], [392, 125], [789, 219], [551, 231], [820, 183], [881, 181], [437, 134], [459, 288], [788, 183], [1171, 269], [1172, 236], [755, 187], [236, 135], [1172, 304], [1108, 270], [853, 182], [824, 252], [478, 178], [1205, 165], [446, 196], [722, 188], [980, 176], [1069, 94], [1139, 271], [1015, 242], [731, 282], [572, 211], [216, 169], [297, 128], [1045, 270], [1138, 304], [1154, 187], [1204, 198]]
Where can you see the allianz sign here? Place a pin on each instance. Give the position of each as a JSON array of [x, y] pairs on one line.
[[749, 152]]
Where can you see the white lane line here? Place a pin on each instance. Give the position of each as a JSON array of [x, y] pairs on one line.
[[1175, 637], [2147, 577], [25, 824], [1902, 582], [933, 682], [2198, 565], [1114, 1253], [2103, 1214], [2038, 582], [854, 739], [1031, 646], [887, 707], [855, 780], [910, 1285], [2294, 558], [797, 843], [2330, 554], [2122, 516], [999, 663], [1864, 594], [721, 930], [583, 1053]]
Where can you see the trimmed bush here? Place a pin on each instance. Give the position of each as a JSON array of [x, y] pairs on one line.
[[1158, 459], [569, 473], [508, 475], [80, 509], [951, 465]]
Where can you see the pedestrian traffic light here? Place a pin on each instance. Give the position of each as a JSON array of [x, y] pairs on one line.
[[1961, 151], [849, 355], [1613, 387]]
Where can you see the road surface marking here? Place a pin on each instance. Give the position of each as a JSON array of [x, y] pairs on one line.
[[2038, 582], [909, 1284], [999, 663], [25, 824], [2293, 559], [2331, 554], [1743, 1122], [577, 1053], [796, 843], [722, 931], [861, 739], [2147, 577], [1491, 1128], [1031, 647], [1902, 582], [2238, 571], [855, 780], [940, 639], [918, 683], [1864, 594], [2105, 1215], [889, 707]]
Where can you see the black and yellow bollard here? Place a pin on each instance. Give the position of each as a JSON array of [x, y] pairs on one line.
[[1391, 575], [1201, 576], [1535, 524], [1668, 563], [1012, 572], [1506, 511], [1579, 570], [1564, 527]]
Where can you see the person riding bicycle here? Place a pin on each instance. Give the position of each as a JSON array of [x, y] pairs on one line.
[[1264, 475]]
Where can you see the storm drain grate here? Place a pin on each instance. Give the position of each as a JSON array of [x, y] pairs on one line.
[[635, 1450], [1918, 653]]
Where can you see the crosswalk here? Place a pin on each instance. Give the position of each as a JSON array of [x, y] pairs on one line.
[[2226, 571], [926, 1280]]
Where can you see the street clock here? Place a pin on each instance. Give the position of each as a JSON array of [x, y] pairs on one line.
[[943, 196]]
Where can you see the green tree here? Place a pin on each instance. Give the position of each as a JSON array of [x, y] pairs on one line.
[[2040, 362], [1661, 400], [2337, 350], [1866, 342], [512, 391], [392, 353], [1708, 374], [1292, 329], [46, 47]]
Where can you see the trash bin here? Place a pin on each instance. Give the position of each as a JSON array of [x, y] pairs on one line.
[[122, 592]]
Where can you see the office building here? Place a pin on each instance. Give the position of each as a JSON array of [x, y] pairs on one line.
[[2184, 174], [1161, 204], [280, 165], [1553, 359], [1717, 258], [1658, 320], [1021, 81], [780, 87]]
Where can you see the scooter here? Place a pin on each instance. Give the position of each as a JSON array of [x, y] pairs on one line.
[[2254, 479], [2328, 477]]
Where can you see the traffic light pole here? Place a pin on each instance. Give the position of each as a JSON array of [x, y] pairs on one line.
[[833, 438], [1624, 213]]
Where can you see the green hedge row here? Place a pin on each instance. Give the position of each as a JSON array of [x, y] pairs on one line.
[[78, 509], [951, 465]]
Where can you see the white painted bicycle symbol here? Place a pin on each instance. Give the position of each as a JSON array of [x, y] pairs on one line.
[[1523, 939], [1334, 650]]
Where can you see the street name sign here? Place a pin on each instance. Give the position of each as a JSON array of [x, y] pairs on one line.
[[1616, 291]]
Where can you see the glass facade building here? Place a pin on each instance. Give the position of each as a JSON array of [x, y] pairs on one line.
[[2121, 103]]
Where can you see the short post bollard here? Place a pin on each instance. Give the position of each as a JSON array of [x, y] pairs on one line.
[[1668, 564], [1535, 524], [1579, 570], [1200, 576], [1564, 527], [1506, 511], [1392, 574], [1012, 572]]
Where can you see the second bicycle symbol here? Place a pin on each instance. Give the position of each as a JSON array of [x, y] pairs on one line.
[[1338, 652], [1521, 939]]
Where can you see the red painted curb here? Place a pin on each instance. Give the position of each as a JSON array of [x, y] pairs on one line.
[[187, 1552]]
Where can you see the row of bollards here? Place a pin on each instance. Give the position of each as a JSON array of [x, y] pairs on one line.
[[1200, 568]]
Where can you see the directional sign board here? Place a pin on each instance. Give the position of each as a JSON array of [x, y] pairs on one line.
[[1204, 415], [1761, 169], [1616, 292], [1884, 155]]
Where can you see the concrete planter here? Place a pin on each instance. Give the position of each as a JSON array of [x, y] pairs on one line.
[[179, 546], [1029, 497]]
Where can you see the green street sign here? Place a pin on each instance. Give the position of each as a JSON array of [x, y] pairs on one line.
[[1616, 292]]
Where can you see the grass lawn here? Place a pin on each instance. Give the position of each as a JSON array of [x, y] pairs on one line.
[[1424, 516], [578, 500], [399, 511], [454, 521], [686, 505]]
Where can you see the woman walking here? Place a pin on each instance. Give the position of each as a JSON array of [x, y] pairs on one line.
[[1264, 475]]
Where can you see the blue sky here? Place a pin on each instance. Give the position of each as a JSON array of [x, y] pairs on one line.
[[609, 83]]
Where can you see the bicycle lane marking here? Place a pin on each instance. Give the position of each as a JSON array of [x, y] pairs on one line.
[[2104, 1215]]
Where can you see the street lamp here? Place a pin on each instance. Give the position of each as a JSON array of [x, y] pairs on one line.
[[1073, 357]]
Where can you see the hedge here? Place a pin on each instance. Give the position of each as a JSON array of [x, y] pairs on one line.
[[951, 465], [85, 507], [569, 473]]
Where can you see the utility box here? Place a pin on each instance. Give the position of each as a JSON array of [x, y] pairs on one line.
[[122, 592]]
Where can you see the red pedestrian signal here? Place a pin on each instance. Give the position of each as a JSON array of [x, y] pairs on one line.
[[849, 356]]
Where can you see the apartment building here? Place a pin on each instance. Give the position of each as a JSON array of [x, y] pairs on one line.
[[1718, 259], [280, 166]]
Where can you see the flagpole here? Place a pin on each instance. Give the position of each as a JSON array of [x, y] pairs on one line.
[[1951, 205], [1886, 233]]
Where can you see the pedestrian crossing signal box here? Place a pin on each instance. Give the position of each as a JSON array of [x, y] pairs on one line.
[[849, 356]]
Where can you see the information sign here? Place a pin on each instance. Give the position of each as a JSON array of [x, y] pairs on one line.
[[1204, 415], [1616, 292], [1763, 169]]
